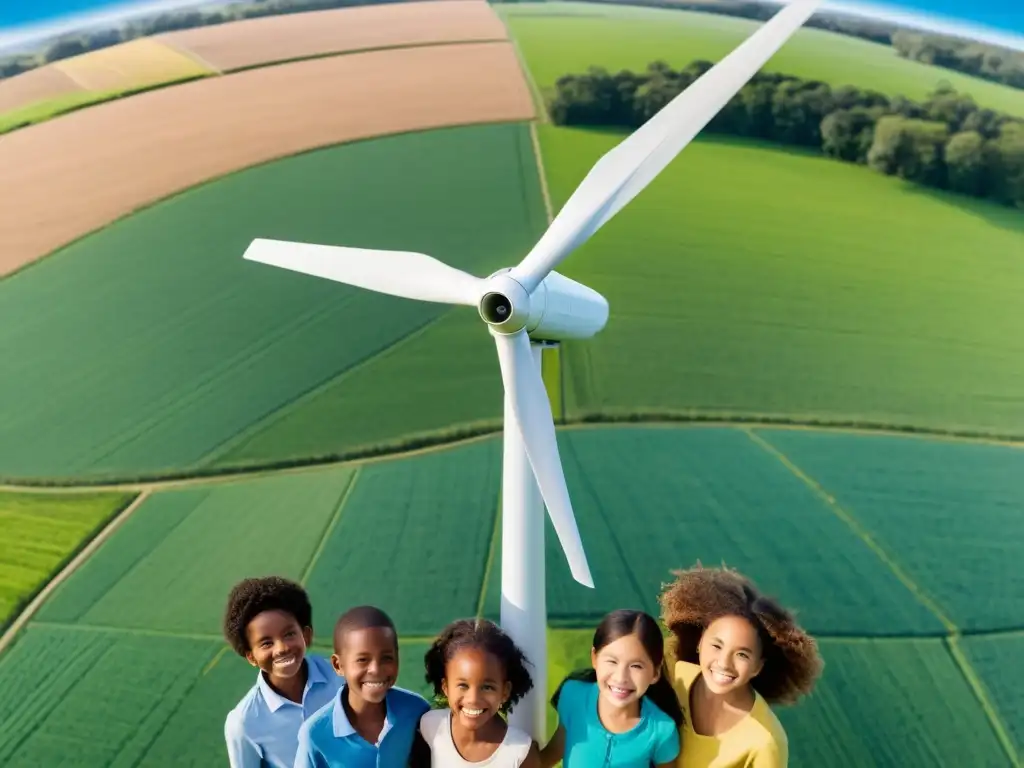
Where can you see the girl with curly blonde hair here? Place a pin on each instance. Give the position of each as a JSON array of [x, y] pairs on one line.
[[736, 653]]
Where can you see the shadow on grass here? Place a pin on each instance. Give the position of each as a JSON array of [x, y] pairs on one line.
[[989, 211]]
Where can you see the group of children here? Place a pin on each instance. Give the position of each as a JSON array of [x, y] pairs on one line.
[[734, 653]]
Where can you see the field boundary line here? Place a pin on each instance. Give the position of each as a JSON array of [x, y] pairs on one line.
[[538, 156], [474, 432], [339, 506], [214, 661], [275, 414], [531, 84], [492, 549], [188, 53], [857, 529], [982, 694], [143, 631], [95, 543]]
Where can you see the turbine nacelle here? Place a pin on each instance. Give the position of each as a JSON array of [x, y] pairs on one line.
[[557, 310]]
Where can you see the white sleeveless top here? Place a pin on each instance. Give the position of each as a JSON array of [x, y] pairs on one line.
[[436, 729]]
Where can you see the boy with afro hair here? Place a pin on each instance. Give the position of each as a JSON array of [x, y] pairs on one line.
[[738, 652], [269, 623]]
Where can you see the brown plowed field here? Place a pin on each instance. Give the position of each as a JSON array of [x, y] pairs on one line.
[[36, 85], [67, 177], [248, 43]]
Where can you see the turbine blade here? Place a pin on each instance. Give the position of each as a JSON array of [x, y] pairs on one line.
[[398, 273], [624, 171], [533, 412]]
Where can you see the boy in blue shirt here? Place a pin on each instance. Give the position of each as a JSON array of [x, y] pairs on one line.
[[268, 622], [370, 723]]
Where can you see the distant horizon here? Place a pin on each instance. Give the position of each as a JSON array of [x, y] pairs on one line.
[[58, 17]]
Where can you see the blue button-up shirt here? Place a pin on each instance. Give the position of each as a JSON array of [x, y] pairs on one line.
[[328, 740], [263, 728]]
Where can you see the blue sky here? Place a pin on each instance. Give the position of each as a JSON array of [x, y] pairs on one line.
[[22, 18]]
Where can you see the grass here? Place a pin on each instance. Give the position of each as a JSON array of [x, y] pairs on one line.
[[997, 660], [144, 611], [42, 532], [139, 578], [794, 286], [953, 517], [414, 537], [712, 495], [219, 347], [559, 38]]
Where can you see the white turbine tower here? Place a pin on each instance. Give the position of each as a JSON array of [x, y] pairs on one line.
[[529, 305]]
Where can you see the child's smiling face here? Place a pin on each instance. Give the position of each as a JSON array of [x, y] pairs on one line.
[[730, 654], [368, 660], [277, 644], [624, 671], [475, 686]]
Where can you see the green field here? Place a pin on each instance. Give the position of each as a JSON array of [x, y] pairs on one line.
[[790, 285], [559, 38], [218, 346], [954, 517], [145, 609], [997, 660], [41, 532]]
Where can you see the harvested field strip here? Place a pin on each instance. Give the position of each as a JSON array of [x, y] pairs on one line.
[[219, 346], [35, 86], [60, 160], [129, 65], [137, 578], [930, 505], [256, 42], [42, 532], [404, 527], [712, 495]]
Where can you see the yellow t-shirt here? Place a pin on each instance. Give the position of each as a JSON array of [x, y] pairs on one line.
[[756, 741]]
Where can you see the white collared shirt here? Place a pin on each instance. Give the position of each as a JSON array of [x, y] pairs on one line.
[[263, 728]]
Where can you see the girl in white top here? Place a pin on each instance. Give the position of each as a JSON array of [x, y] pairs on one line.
[[481, 673]]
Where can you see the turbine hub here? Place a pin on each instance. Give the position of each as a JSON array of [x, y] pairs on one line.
[[505, 304]]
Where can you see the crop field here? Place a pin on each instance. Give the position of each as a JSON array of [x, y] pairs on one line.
[[935, 505], [145, 608], [36, 85], [997, 661], [40, 533], [218, 346], [799, 287], [129, 65], [53, 89], [199, 131], [254, 42], [559, 38]]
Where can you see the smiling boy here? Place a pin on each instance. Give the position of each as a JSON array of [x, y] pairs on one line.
[[268, 622], [370, 722]]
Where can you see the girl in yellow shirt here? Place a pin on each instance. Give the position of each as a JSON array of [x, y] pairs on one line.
[[737, 652]]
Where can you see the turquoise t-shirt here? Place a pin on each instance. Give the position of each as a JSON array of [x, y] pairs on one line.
[[588, 744]]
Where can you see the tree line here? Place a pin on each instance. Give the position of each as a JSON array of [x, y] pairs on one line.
[[76, 43], [984, 60], [946, 142]]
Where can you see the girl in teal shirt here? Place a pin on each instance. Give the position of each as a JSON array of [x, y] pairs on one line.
[[623, 711]]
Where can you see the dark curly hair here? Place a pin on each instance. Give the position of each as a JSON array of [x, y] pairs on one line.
[[622, 623], [702, 595], [250, 597], [488, 637]]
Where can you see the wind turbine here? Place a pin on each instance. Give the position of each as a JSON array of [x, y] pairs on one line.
[[528, 306]]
